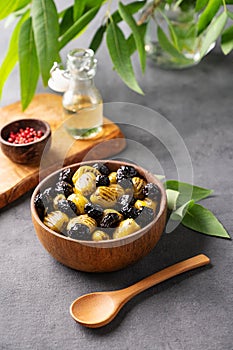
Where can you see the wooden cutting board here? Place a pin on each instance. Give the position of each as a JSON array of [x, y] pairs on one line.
[[17, 179]]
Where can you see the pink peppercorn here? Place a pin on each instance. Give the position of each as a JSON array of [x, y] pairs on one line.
[[24, 136]]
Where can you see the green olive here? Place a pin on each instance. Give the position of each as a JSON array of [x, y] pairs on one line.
[[117, 189], [147, 202], [104, 196], [56, 221], [86, 184], [100, 236], [79, 200], [112, 177], [138, 185], [126, 227], [84, 169]]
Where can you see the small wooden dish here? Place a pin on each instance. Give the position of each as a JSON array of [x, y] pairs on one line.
[[29, 153], [107, 255]]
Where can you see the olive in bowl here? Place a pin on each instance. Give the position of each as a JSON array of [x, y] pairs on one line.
[[23, 141], [109, 227]]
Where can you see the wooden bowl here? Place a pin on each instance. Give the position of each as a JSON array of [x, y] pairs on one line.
[[107, 255], [29, 153]]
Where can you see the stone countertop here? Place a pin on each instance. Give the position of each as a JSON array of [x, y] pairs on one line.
[[192, 311]]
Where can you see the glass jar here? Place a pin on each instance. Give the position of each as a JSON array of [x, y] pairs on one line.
[[82, 102], [183, 20]]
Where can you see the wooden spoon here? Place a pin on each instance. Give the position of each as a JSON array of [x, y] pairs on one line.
[[98, 309]]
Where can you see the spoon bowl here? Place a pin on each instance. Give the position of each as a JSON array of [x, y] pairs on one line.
[[98, 309], [94, 308]]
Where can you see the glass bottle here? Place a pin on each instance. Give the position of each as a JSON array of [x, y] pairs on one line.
[[82, 102], [184, 21]]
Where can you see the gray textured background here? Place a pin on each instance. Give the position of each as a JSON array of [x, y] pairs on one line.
[[192, 311]]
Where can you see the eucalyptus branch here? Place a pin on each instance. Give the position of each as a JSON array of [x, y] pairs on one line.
[[149, 11], [108, 12], [52, 31]]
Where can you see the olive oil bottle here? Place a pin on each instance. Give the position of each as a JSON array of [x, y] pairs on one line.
[[82, 102]]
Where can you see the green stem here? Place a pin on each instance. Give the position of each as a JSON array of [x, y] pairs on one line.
[[149, 11], [224, 5]]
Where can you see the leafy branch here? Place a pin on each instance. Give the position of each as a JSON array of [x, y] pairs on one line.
[[41, 32], [182, 198]]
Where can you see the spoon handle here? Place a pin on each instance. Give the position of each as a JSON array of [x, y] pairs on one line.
[[158, 277]]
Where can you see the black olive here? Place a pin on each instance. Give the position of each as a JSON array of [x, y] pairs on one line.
[[66, 175], [68, 207], [125, 172], [38, 201], [145, 217], [64, 188], [152, 191], [125, 199], [47, 198], [39, 205], [95, 211], [103, 169], [130, 212], [102, 180], [80, 232], [110, 220]]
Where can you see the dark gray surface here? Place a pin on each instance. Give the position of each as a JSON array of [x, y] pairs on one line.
[[193, 311]]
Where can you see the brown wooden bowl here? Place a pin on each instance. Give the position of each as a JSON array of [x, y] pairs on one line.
[[29, 153], [107, 255]]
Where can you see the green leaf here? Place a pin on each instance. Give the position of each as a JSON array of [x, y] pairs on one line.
[[131, 44], [169, 47], [173, 35], [77, 27], [21, 4], [67, 20], [9, 6], [98, 36], [28, 63], [130, 40], [119, 53], [89, 4], [187, 191], [179, 213], [208, 14], [79, 6], [139, 41], [227, 40], [171, 31], [172, 197], [203, 220], [132, 8], [11, 57], [200, 4], [97, 39], [46, 30], [214, 31]]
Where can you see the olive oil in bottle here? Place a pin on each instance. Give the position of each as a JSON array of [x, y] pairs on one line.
[[82, 102]]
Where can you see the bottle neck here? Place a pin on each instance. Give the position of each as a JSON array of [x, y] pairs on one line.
[[81, 84]]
